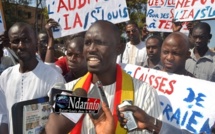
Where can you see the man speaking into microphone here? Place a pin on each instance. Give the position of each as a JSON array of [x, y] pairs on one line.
[[101, 47]]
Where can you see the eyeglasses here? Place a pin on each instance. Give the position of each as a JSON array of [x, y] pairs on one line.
[[133, 31]]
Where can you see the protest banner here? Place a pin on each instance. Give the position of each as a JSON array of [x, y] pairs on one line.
[[186, 102], [189, 10], [160, 14], [2, 22], [77, 15]]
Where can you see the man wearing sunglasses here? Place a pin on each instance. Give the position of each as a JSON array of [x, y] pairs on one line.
[[135, 50]]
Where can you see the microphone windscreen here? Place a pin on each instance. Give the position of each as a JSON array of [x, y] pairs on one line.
[[79, 92]]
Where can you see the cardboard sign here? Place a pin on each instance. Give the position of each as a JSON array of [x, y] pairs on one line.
[[160, 14], [186, 102], [187, 10], [77, 15]]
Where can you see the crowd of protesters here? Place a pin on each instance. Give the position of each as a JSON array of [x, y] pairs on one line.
[[31, 65]]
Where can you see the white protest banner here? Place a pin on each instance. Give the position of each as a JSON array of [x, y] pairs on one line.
[[186, 102], [188, 10], [160, 14], [2, 24], [77, 15]]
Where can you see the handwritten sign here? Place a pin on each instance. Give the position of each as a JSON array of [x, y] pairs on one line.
[[160, 14], [187, 10], [2, 25], [186, 102], [77, 15]]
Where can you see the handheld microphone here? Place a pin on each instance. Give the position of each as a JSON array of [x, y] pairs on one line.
[[98, 92], [76, 103], [58, 88], [79, 92], [63, 104]]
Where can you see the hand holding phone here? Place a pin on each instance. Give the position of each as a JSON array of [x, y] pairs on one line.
[[131, 123]]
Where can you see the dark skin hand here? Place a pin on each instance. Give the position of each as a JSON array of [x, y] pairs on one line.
[[58, 124], [105, 123], [176, 26], [143, 120], [4, 128], [51, 23]]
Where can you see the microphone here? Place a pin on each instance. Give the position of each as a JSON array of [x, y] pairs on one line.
[[58, 88], [78, 93], [98, 92]]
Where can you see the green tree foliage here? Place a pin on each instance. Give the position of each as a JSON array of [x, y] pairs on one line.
[[137, 10]]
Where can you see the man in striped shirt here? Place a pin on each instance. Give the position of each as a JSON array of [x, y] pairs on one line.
[[102, 45]]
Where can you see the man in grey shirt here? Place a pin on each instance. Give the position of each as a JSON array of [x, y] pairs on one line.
[[201, 62]]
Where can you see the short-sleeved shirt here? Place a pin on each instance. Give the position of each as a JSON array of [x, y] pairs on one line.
[[62, 63], [157, 67], [204, 67]]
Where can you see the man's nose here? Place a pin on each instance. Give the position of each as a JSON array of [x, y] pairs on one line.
[[92, 47], [169, 56], [21, 44], [150, 49], [198, 40], [72, 58]]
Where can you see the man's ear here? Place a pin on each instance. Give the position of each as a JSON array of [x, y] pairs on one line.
[[210, 36], [188, 54]]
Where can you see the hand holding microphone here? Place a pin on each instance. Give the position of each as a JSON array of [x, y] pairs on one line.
[[64, 122], [103, 120], [73, 106], [105, 123]]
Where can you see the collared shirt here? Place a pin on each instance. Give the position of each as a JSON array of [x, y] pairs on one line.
[[204, 67], [134, 54], [157, 67], [16, 86]]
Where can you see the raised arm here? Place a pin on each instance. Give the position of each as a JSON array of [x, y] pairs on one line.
[[50, 48]]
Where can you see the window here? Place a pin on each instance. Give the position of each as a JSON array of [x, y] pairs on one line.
[[39, 16], [29, 15]]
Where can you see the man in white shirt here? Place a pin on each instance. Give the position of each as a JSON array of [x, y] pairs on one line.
[[29, 79], [135, 50], [101, 47]]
